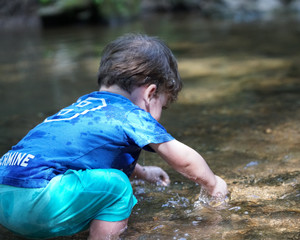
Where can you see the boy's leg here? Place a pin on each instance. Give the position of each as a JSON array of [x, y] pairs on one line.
[[103, 230], [69, 204]]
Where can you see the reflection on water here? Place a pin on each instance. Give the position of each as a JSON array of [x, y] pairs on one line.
[[239, 109]]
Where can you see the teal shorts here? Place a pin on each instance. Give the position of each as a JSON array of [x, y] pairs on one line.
[[67, 204]]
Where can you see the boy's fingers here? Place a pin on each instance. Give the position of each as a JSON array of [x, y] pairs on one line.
[[165, 179], [166, 182], [157, 175]]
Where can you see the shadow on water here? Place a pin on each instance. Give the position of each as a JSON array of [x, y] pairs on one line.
[[239, 109]]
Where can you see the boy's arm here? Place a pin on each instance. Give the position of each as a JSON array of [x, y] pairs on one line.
[[190, 164], [151, 174]]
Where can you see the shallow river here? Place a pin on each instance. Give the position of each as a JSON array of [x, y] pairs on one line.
[[239, 108]]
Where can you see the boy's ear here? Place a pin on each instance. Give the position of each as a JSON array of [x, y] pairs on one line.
[[150, 92]]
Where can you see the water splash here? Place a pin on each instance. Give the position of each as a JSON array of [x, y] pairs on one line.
[[177, 202], [216, 202]]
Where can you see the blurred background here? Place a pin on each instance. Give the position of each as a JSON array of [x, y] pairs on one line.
[[240, 65], [37, 13]]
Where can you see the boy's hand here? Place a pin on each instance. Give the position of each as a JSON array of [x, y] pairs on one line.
[[220, 189], [156, 175]]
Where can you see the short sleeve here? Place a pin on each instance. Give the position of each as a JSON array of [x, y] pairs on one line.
[[143, 129]]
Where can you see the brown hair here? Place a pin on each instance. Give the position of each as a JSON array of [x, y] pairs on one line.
[[134, 60]]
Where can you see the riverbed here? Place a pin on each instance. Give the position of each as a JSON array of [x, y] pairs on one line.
[[239, 109]]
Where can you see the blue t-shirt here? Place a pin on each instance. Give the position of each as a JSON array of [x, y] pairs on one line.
[[101, 130]]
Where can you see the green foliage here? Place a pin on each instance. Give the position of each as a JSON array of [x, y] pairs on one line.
[[98, 1], [118, 8], [46, 2], [107, 9]]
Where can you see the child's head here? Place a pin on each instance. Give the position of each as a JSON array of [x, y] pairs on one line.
[[135, 60]]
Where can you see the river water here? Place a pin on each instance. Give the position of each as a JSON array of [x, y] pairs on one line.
[[239, 108]]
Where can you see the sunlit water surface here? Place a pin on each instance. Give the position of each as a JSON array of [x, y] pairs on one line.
[[239, 109]]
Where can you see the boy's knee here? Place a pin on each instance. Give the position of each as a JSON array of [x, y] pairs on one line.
[[121, 183]]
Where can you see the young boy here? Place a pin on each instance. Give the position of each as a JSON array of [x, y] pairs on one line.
[[71, 172]]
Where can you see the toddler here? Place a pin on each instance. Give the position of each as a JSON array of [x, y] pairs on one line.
[[71, 172]]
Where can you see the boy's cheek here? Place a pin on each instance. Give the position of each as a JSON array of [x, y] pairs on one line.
[[156, 113]]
